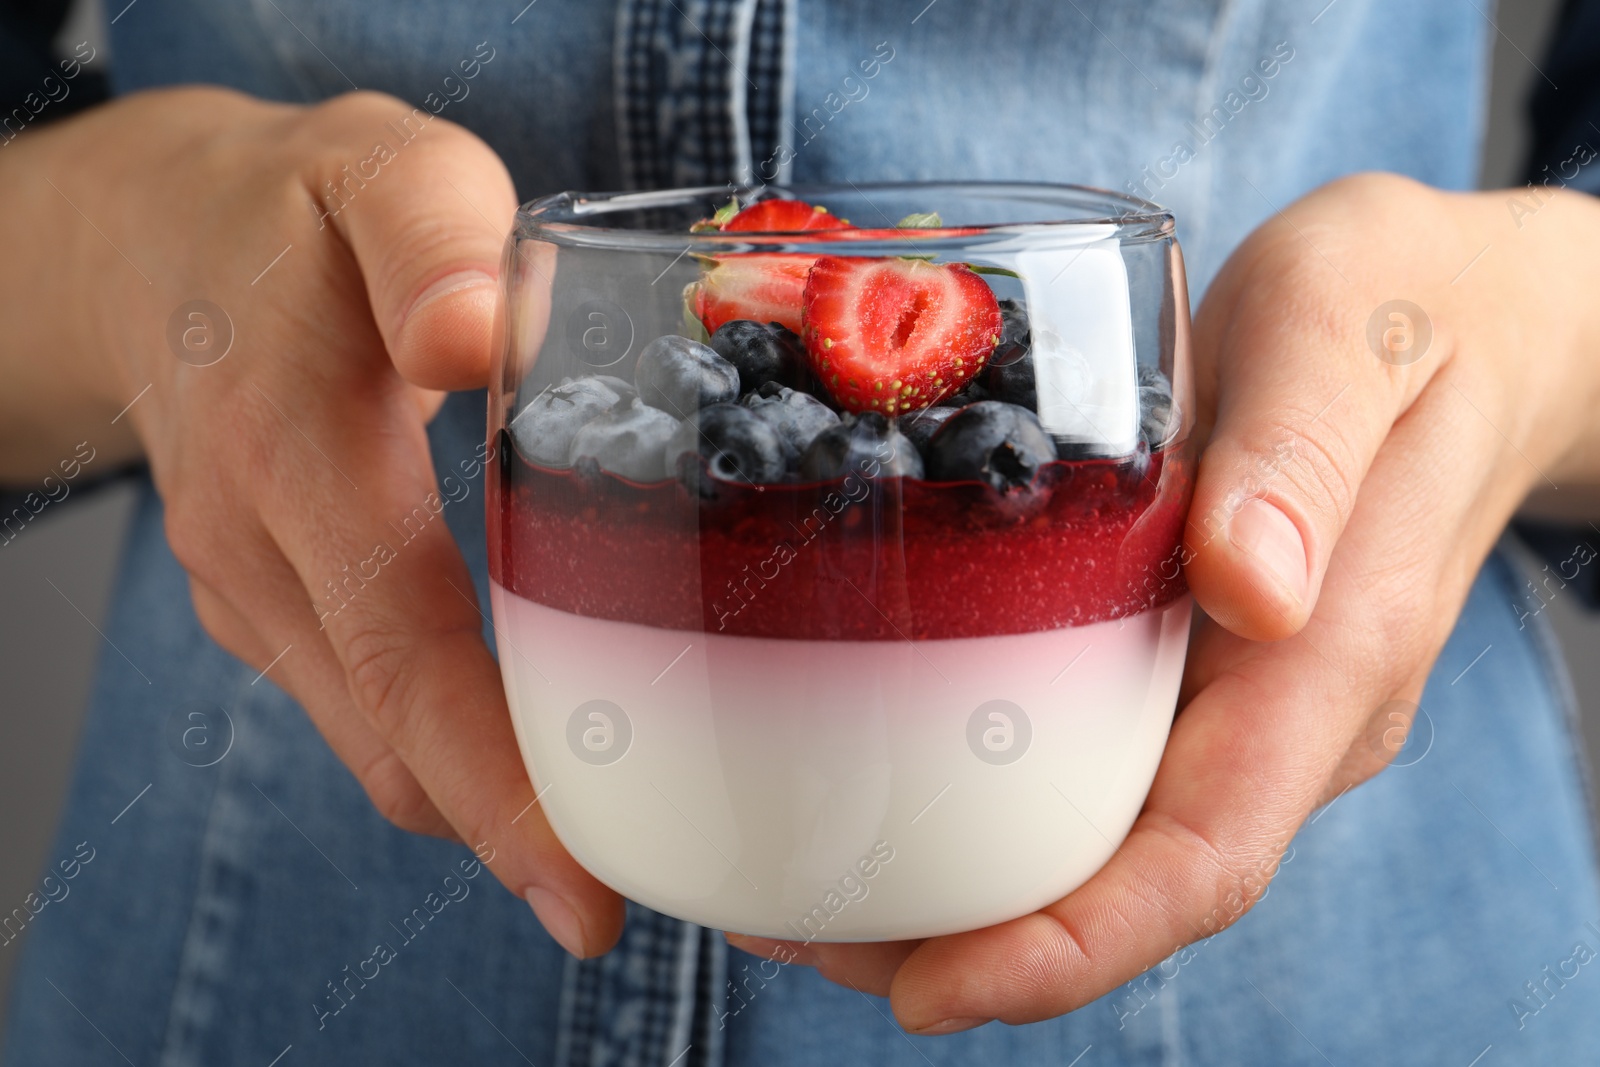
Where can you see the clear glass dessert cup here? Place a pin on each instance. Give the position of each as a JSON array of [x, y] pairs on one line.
[[863, 626]]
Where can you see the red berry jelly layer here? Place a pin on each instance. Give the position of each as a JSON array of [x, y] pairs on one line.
[[857, 560]]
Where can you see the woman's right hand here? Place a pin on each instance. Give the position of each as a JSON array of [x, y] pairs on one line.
[[355, 282]]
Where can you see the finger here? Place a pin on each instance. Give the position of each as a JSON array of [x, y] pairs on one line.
[[310, 670], [1277, 481], [867, 967], [773, 949], [310, 667], [1307, 406], [391, 786], [236, 634], [1201, 663], [1209, 838], [304, 665], [409, 642], [427, 222], [1414, 555], [1266, 739]]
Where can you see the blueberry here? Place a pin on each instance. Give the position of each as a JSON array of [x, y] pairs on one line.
[[630, 440], [1155, 405], [867, 444], [545, 428], [1013, 382], [762, 352], [920, 426], [1001, 444], [735, 444], [1016, 336], [971, 393], [1152, 378], [624, 389], [798, 417], [1157, 422], [680, 376], [1009, 376]]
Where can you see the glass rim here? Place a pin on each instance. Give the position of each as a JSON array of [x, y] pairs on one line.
[[570, 217]]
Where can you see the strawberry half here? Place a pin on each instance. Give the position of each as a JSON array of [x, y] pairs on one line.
[[763, 286], [895, 335], [783, 216]]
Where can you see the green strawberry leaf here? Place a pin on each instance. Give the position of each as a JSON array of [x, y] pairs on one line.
[[719, 219]]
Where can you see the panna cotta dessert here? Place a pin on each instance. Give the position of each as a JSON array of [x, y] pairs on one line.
[[844, 605]]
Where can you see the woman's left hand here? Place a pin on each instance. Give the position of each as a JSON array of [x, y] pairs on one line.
[[1345, 499]]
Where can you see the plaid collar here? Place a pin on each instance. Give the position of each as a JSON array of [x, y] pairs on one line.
[[703, 88]]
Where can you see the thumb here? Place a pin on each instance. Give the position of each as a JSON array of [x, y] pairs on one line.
[[425, 211], [1300, 413]]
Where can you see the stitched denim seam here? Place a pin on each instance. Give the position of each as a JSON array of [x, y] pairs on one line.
[[192, 976]]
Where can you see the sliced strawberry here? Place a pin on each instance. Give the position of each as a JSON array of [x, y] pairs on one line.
[[895, 335], [784, 216], [763, 286], [925, 224], [908, 235]]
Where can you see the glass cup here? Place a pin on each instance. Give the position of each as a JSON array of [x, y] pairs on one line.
[[864, 626]]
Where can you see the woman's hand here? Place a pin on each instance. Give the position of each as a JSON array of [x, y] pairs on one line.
[[349, 251], [1345, 500]]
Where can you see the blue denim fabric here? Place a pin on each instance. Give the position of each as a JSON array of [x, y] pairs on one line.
[[228, 909]]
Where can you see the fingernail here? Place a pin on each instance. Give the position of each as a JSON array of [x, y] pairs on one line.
[[1269, 535], [950, 1026], [450, 283], [558, 918]]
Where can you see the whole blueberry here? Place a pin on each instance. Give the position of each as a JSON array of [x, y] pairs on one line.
[[867, 444], [630, 440], [680, 376], [1013, 382], [920, 426], [623, 388], [1001, 444], [762, 352], [1009, 375], [798, 417], [545, 428], [731, 442]]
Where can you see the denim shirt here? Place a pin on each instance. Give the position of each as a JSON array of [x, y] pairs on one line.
[[1223, 110]]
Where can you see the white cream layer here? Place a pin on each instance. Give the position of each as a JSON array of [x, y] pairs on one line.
[[840, 791]]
